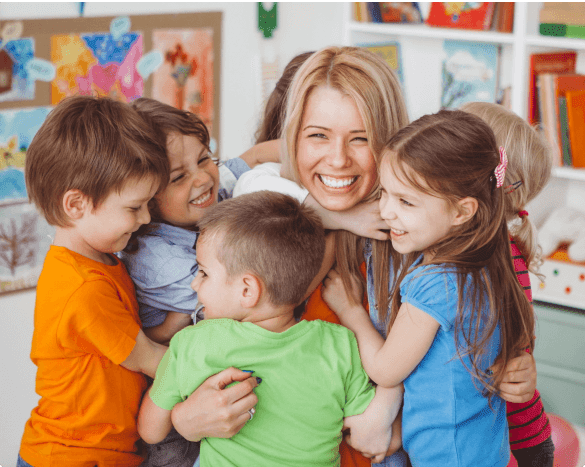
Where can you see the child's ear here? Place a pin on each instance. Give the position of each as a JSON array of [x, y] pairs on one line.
[[466, 207], [74, 204], [251, 291]]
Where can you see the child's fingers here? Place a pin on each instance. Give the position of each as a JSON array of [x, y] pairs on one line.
[[516, 393]]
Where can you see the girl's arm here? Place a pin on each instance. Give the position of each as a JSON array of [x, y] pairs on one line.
[[268, 151], [363, 219], [173, 323], [388, 362], [145, 356], [375, 431], [154, 423]]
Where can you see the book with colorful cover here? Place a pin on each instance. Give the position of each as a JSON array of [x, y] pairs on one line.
[[462, 15], [576, 118], [390, 52], [400, 12], [563, 84], [548, 113], [552, 62], [564, 126], [469, 73]]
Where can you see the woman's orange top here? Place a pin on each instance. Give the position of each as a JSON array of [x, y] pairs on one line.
[[316, 308]]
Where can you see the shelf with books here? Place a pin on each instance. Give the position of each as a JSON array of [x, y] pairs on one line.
[[424, 54]]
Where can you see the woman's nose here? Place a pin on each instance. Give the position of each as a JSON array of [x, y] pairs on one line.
[[338, 155]]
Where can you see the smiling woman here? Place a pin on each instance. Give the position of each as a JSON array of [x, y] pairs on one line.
[[334, 160]]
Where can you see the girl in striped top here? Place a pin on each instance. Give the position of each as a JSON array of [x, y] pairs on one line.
[[528, 171]]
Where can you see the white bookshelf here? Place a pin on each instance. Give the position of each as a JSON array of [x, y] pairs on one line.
[[421, 51]]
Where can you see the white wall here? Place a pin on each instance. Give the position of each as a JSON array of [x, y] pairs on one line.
[[302, 27]]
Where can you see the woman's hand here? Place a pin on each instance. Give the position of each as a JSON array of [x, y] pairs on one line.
[[519, 381], [213, 411], [363, 219], [342, 301]]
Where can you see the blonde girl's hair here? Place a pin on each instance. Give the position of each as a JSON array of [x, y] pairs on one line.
[[530, 161], [452, 155], [375, 88]]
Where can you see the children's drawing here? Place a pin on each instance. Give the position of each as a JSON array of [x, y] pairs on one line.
[[97, 64], [185, 78], [24, 235], [15, 81]]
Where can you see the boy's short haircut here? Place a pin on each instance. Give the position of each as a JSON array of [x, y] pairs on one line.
[[272, 236], [172, 120], [94, 145]]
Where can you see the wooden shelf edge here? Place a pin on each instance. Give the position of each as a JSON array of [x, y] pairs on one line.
[[425, 31]]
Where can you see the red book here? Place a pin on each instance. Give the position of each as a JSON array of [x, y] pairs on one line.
[[554, 62], [564, 84], [576, 117], [461, 15]]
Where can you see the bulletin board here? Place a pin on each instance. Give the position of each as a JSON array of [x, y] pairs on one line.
[[174, 58]]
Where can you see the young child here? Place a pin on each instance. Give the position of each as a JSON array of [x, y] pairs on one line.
[[91, 169], [257, 255], [161, 258], [529, 169], [458, 305]]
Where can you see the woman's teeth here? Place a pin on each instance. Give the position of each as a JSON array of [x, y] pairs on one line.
[[336, 182], [202, 199], [398, 232]]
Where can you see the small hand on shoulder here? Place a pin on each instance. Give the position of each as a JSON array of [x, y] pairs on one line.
[[343, 302]]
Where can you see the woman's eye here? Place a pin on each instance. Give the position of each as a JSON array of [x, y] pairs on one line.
[[406, 203], [133, 209], [316, 135], [361, 139]]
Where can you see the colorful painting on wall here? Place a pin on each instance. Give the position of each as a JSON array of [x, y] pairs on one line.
[[96, 64], [172, 58], [16, 83], [185, 77], [24, 236]]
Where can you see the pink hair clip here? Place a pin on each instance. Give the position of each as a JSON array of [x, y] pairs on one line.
[[500, 170]]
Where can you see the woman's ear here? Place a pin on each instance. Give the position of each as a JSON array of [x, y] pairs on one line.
[[75, 203], [251, 291], [467, 207]]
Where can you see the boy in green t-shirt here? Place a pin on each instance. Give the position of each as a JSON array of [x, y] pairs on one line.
[[257, 255]]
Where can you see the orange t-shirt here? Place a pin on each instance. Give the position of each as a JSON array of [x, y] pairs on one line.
[[316, 308], [85, 325]]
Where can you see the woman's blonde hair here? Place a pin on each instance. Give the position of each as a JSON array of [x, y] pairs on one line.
[[375, 88], [530, 161]]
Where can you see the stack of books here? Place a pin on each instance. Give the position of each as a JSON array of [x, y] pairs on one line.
[[482, 16], [556, 103], [387, 12], [564, 19]]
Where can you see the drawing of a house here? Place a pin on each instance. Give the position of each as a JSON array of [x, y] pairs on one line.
[[6, 65]]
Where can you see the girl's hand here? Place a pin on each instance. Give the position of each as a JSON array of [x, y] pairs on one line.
[[519, 381], [363, 219], [343, 302]]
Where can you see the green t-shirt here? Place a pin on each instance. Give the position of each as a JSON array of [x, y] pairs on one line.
[[312, 378]]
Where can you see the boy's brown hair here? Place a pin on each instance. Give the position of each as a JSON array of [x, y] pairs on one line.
[[272, 236], [94, 145], [172, 120]]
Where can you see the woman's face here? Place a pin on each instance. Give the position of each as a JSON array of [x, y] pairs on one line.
[[333, 157]]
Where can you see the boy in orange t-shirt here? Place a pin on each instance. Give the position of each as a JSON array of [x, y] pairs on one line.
[[91, 170]]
